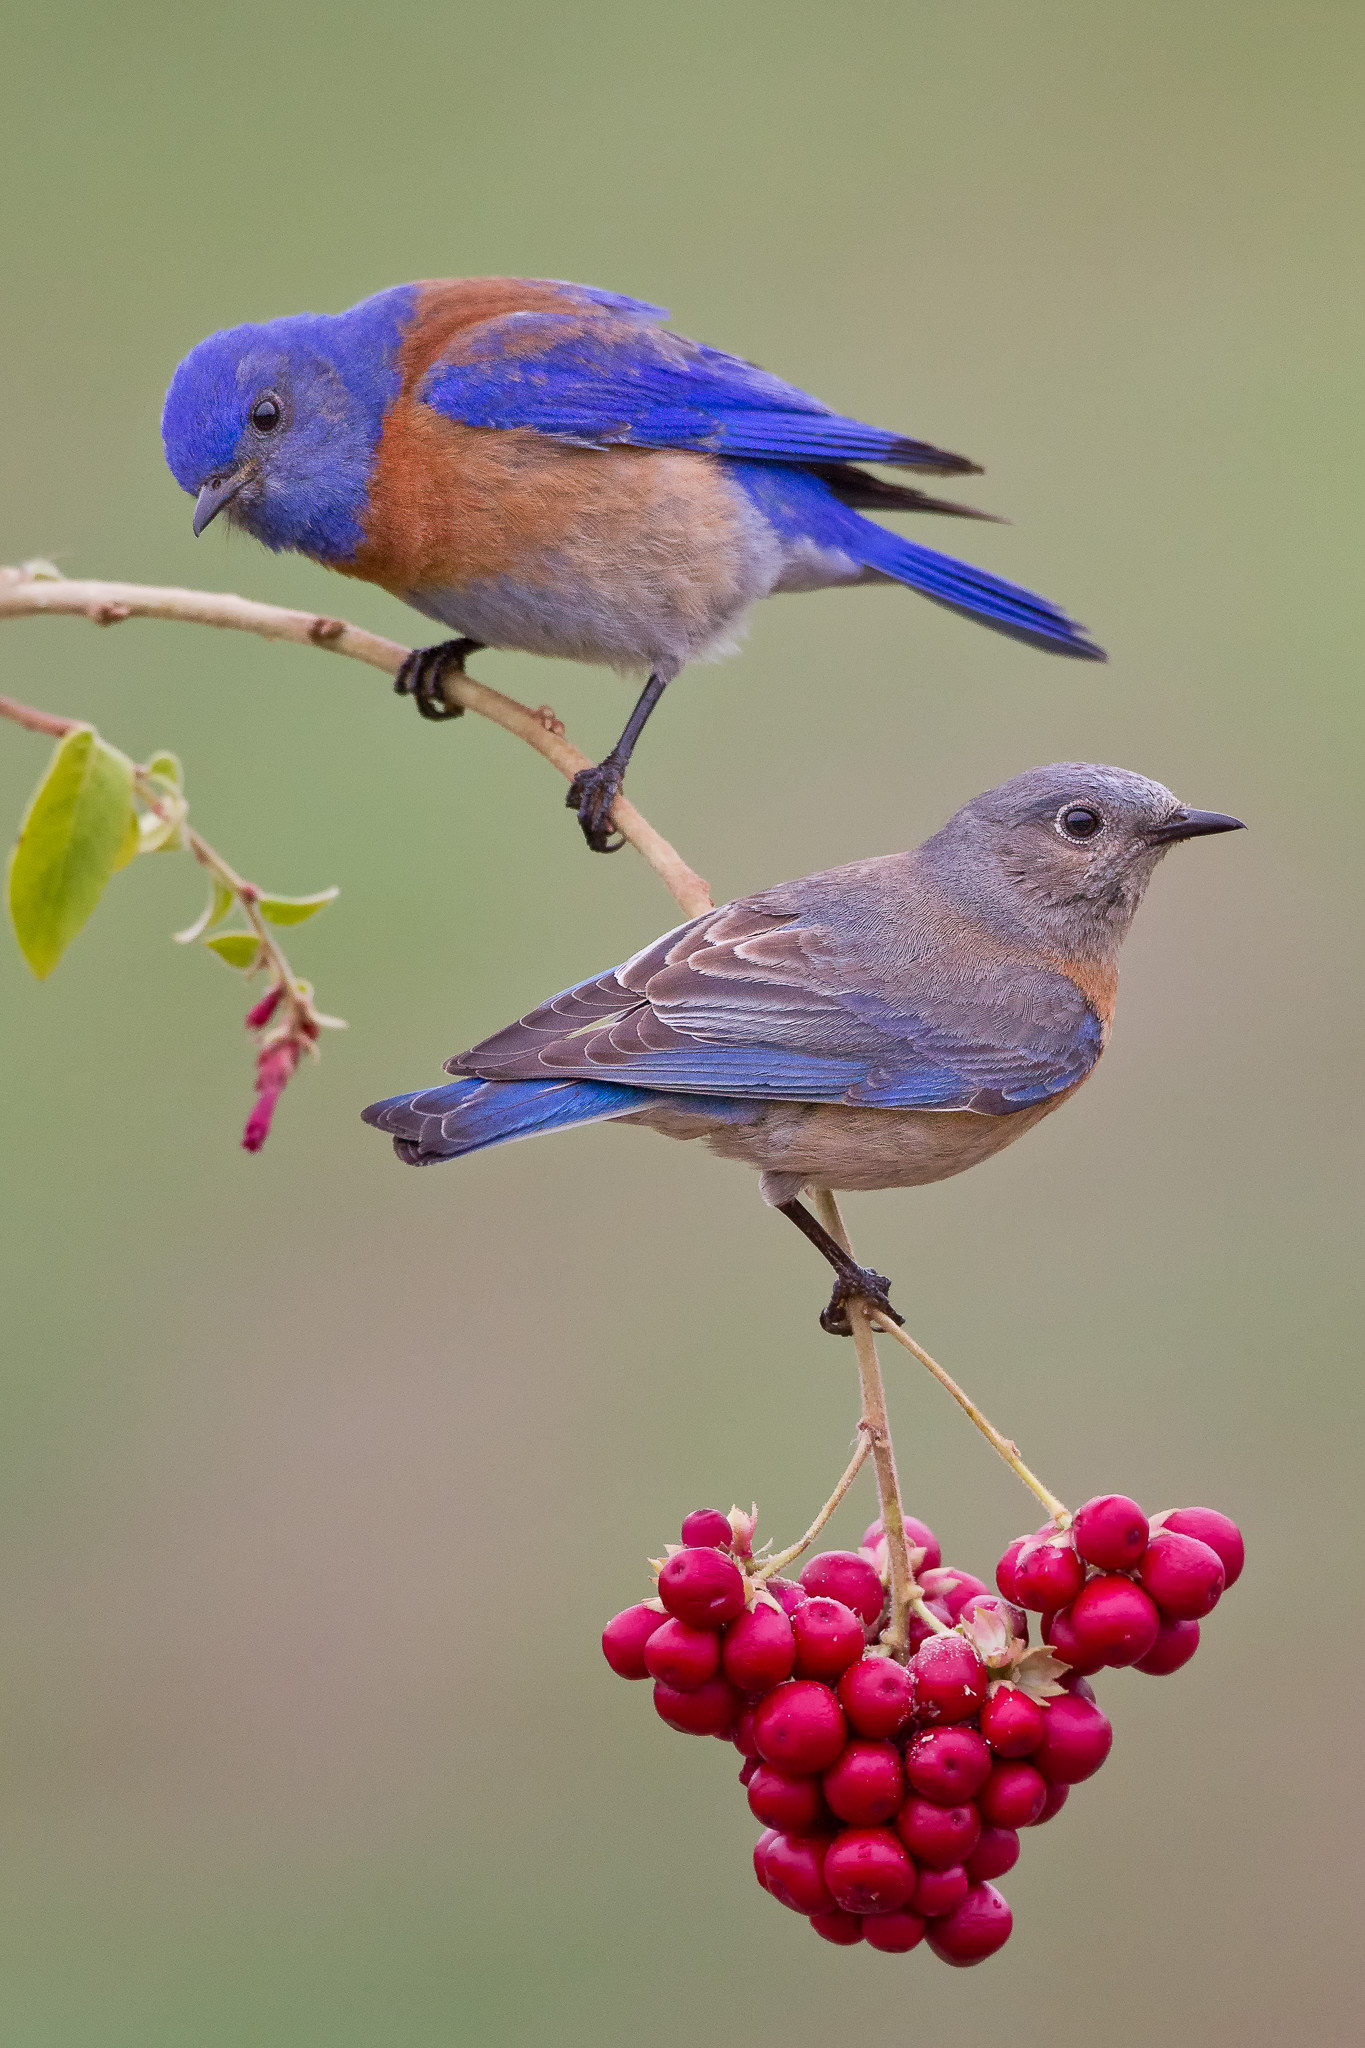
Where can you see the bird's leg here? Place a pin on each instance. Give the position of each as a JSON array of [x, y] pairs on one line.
[[851, 1281], [424, 671], [593, 791]]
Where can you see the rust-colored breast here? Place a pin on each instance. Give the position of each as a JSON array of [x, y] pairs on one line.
[[451, 504]]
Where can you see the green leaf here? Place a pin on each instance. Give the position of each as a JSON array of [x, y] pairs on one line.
[[166, 767], [159, 835], [294, 909], [72, 839], [238, 949], [220, 902]]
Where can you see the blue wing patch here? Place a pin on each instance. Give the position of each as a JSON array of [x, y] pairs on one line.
[[599, 384]]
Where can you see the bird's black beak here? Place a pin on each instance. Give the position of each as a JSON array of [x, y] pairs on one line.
[[216, 493], [1187, 824]]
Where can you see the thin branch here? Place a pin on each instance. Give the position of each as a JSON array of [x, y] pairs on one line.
[[27, 595], [1007, 1448], [905, 1595], [772, 1565], [34, 720]]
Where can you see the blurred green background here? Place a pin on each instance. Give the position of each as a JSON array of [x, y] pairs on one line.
[[318, 1478]]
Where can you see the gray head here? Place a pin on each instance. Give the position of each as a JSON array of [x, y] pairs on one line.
[[1064, 852]]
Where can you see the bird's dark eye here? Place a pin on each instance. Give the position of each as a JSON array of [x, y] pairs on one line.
[[1078, 821], [266, 413]]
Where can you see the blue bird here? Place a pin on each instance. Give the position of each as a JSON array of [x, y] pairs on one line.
[[544, 466], [881, 1025]]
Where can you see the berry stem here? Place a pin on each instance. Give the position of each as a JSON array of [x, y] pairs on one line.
[[1007, 1448], [772, 1565], [904, 1590]]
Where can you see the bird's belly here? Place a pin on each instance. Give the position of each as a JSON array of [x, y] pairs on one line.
[[827, 1145], [635, 558]]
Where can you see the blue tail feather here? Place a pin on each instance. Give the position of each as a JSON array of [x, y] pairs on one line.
[[801, 507], [973, 592], [467, 1114]]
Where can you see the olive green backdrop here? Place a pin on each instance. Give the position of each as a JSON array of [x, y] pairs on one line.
[[318, 1478]]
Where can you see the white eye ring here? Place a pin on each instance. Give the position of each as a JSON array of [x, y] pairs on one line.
[[1092, 827]]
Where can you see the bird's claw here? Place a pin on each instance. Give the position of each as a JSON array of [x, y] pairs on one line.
[[592, 793], [860, 1284], [425, 670]]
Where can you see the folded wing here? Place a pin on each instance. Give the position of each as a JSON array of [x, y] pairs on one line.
[[600, 381], [763, 1005]]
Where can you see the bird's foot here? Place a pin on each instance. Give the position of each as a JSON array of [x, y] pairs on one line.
[[859, 1283], [426, 669], [592, 793]]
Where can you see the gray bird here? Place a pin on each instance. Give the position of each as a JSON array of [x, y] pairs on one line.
[[880, 1025]]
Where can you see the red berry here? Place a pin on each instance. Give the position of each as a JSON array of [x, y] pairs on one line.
[[950, 1679], [918, 1535], [938, 1835], [1075, 1681], [1184, 1576], [780, 1799], [683, 1657], [919, 1631], [948, 1765], [1176, 1642], [1110, 1531], [1012, 1796], [843, 1575], [702, 1587], [800, 1726], [1047, 1572], [876, 1693], [1013, 1616], [1011, 1722], [708, 1709], [844, 1929], [1206, 1525], [1057, 1796], [938, 1892], [707, 1526], [758, 1649], [1114, 1620], [952, 1587], [743, 1733], [994, 1854], [868, 1871], [747, 1769], [794, 1871], [788, 1596], [1059, 1636], [1076, 1740], [625, 1636], [1004, 1571], [979, 1927], [893, 1933], [829, 1637], [866, 1783], [761, 1847]]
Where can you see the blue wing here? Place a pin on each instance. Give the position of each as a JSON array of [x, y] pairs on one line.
[[756, 1003], [600, 381]]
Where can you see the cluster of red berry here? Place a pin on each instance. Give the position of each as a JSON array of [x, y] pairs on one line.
[[1118, 1589], [891, 1794]]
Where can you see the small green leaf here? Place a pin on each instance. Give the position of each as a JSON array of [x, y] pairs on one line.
[[72, 839], [160, 835], [294, 909], [238, 949], [215, 910], [166, 767]]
